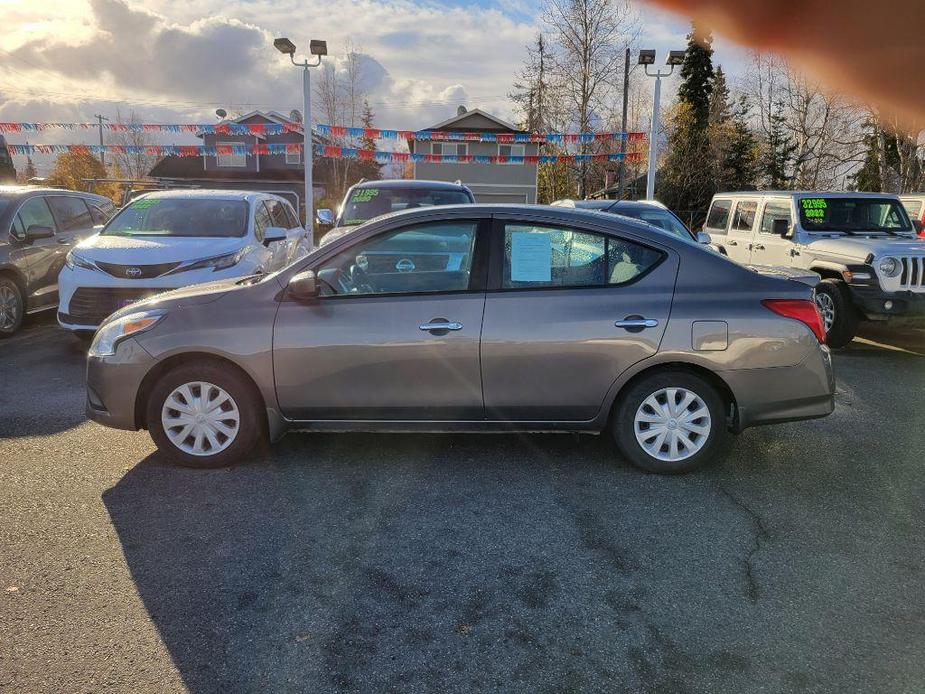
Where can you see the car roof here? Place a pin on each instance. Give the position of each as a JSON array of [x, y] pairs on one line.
[[411, 183], [204, 194], [608, 204], [802, 193], [30, 190]]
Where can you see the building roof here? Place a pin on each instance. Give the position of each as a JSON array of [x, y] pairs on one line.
[[194, 168], [504, 125]]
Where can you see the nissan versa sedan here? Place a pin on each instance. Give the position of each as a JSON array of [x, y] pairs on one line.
[[472, 318]]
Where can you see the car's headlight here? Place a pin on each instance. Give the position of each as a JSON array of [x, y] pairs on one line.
[[215, 263], [889, 267], [73, 260], [108, 336]]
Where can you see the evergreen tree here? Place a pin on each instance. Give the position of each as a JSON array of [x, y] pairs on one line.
[[740, 160], [719, 98], [370, 169], [697, 74], [867, 178]]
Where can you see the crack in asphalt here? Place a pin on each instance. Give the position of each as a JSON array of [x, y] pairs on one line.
[[759, 533]]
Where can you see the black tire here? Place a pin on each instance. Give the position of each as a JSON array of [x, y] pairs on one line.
[[623, 425], [252, 421], [12, 307], [834, 295]]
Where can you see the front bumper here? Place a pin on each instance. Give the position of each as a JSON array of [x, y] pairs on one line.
[[877, 304], [783, 394], [113, 383]]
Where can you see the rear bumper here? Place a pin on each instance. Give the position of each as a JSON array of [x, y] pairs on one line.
[[783, 394], [879, 305]]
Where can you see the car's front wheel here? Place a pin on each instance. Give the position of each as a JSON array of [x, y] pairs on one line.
[[670, 422], [204, 415], [11, 307]]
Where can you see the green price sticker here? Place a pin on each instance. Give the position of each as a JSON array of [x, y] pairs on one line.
[[143, 204], [813, 208], [364, 194]]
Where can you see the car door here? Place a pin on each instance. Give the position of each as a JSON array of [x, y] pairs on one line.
[[567, 311], [41, 256], [769, 248], [741, 230], [395, 333]]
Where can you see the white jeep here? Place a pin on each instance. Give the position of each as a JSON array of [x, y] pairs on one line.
[[863, 245]]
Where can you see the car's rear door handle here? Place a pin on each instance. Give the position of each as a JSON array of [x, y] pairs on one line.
[[636, 323], [441, 325]]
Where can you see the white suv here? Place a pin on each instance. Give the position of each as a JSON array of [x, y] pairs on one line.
[[171, 239], [863, 245]]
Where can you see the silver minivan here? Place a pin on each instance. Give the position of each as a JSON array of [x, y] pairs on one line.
[[472, 318]]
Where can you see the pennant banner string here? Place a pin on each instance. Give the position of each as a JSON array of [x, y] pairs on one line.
[[259, 129], [329, 151]]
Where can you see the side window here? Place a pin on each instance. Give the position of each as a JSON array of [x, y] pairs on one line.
[[914, 208], [17, 229], [428, 258], [540, 256], [72, 213], [100, 214], [278, 214], [35, 212], [261, 221], [718, 217], [744, 217], [293, 217], [775, 209]]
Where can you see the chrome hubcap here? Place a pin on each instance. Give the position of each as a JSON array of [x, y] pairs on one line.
[[200, 418], [9, 308], [827, 309], [672, 424]]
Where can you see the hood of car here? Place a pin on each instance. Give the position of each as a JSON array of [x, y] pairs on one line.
[[154, 250], [859, 247]]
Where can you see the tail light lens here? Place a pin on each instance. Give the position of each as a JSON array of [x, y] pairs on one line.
[[799, 309]]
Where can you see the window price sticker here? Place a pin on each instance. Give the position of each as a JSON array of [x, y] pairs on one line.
[[364, 194], [813, 208]]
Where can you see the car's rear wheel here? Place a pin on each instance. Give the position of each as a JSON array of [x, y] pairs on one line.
[[204, 415], [839, 316], [670, 422], [11, 307]]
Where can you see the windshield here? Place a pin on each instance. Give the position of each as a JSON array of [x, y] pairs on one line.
[[663, 219], [365, 203], [853, 214], [184, 217]]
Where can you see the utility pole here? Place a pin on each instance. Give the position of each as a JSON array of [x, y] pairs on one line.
[[626, 86], [100, 120]]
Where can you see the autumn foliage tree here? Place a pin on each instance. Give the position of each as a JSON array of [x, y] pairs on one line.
[[73, 169]]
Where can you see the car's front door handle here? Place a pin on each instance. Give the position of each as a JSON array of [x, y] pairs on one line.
[[758, 247], [636, 323], [732, 243], [441, 325]]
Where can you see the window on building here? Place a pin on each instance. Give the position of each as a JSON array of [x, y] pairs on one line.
[[449, 149], [511, 151], [231, 159], [293, 157]]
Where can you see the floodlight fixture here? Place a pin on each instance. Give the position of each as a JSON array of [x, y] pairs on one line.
[[647, 56], [318, 48], [675, 58], [284, 45]]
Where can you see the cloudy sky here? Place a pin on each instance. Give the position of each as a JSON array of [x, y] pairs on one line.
[[179, 60]]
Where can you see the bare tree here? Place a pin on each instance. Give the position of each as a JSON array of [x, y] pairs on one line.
[[137, 164]]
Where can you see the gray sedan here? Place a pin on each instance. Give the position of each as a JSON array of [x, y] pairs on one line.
[[472, 318]]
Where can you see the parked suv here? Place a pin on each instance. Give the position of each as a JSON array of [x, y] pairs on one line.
[[863, 245], [171, 239], [472, 318], [38, 226], [369, 199]]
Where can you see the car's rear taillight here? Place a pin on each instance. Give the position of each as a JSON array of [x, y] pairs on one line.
[[802, 310]]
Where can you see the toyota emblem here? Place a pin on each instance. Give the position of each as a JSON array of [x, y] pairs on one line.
[[404, 265], [133, 272]]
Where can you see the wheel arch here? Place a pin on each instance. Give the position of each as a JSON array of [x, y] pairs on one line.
[[722, 388], [166, 365], [16, 275], [828, 271]]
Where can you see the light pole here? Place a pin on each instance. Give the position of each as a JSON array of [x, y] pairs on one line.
[[316, 48], [647, 58]]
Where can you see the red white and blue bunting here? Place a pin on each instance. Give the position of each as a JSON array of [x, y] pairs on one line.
[[330, 131], [384, 157]]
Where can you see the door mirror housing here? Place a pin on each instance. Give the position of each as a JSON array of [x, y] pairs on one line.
[[304, 286], [780, 227], [36, 232], [704, 237], [273, 234], [324, 217]]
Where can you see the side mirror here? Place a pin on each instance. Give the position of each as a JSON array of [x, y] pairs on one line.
[[780, 227], [36, 232], [303, 286], [918, 225], [273, 234], [704, 237], [324, 217]]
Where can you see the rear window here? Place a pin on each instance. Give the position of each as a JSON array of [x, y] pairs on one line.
[[744, 218], [363, 204], [185, 217], [718, 217]]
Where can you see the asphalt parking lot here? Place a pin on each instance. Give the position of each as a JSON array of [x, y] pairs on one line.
[[532, 563]]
